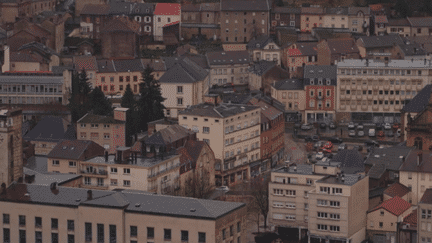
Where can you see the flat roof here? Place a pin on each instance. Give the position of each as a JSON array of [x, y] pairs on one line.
[[143, 162], [343, 179], [358, 63]]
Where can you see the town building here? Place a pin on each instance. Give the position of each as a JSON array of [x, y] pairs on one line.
[[272, 135], [119, 38], [336, 18], [13, 9], [284, 17], [311, 17], [420, 26], [167, 139], [264, 48], [380, 25], [242, 20], [290, 92], [296, 56], [359, 19], [380, 88], [108, 132], [400, 27], [80, 4], [263, 74], [93, 17], [11, 145], [332, 51], [424, 216], [228, 67], [378, 47], [48, 132], [165, 14], [76, 214], [384, 219], [184, 84], [320, 89], [201, 19], [233, 133]]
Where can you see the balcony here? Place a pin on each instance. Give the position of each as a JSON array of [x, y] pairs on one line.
[[359, 87], [343, 96], [375, 107], [386, 107], [370, 97], [364, 107], [392, 97], [397, 107], [343, 86], [353, 107], [99, 174], [359, 96], [364, 87], [162, 171], [408, 87]]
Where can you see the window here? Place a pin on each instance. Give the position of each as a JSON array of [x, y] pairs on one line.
[[381, 224], [206, 129], [54, 237], [223, 234], [38, 222], [180, 89], [337, 190], [150, 232], [334, 228], [179, 101], [113, 170], [88, 232], [21, 220], [72, 164], [322, 202], [100, 233], [112, 233], [126, 171], [70, 225], [22, 236], [321, 227], [6, 218], [55, 163], [134, 231], [184, 235], [167, 234], [126, 183], [334, 216], [201, 237]]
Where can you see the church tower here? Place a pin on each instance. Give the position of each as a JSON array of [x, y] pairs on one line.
[[11, 151]]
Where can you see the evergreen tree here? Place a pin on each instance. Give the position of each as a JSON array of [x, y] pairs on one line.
[[402, 8], [427, 7], [149, 106], [279, 3], [128, 101], [100, 104], [78, 103]]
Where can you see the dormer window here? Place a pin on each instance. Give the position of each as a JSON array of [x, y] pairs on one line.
[[320, 81], [312, 82], [257, 45]]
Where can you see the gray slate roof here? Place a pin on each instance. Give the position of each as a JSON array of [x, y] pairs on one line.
[[19, 79], [289, 84], [381, 41], [348, 179], [228, 57], [286, 10], [220, 111], [133, 65], [390, 157], [261, 67], [260, 42], [237, 98], [59, 69], [420, 21], [168, 135], [337, 11], [420, 101], [324, 72], [243, 5], [51, 129], [356, 10], [182, 71], [352, 161], [48, 178], [412, 49], [75, 149]]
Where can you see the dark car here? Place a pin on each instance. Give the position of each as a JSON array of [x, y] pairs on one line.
[[372, 143], [329, 155], [315, 138], [390, 134], [323, 125], [308, 139], [335, 140], [379, 126], [332, 126]]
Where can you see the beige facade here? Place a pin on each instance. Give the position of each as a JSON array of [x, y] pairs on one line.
[[424, 218], [181, 95], [335, 21], [269, 52], [65, 166], [373, 86], [240, 26], [357, 20], [385, 221], [224, 74], [418, 182], [115, 83], [293, 99], [90, 220], [165, 14], [43, 147]]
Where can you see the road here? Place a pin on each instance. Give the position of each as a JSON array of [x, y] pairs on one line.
[[295, 149]]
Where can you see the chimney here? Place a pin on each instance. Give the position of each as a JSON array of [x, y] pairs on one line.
[[89, 195], [53, 186], [386, 61], [3, 188], [6, 61], [106, 156], [419, 158]]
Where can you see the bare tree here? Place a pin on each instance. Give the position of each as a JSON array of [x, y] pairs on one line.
[[260, 194], [198, 184]]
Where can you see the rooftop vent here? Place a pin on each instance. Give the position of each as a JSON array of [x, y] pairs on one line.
[[72, 148], [77, 200], [377, 156], [192, 209], [137, 205], [27, 195], [64, 147], [223, 53]]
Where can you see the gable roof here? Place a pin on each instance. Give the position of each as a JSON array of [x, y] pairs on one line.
[[397, 190], [243, 5], [39, 48], [342, 46], [228, 57], [24, 57], [395, 206], [289, 84], [121, 24], [167, 9], [85, 63], [427, 197], [410, 163], [260, 42], [95, 9], [261, 67], [168, 135], [411, 219], [51, 129], [391, 157], [398, 22], [75, 149], [381, 41], [352, 161], [133, 65], [267, 110], [356, 10], [420, 101], [92, 118], [381, 19], [182, 71], [420, 21]]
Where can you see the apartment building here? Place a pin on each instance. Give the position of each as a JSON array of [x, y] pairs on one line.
[[264, 48], [335, 18], [359, 19], [108, 132], [64, 214], [420, 26], [378, 47], [289, 201], [184, 84], [424, 217], [332, 51], [416, 174], [165, 14], [11, 145], [228, 67], [337, 208], [298, 55], [416, 123], [242, 20], [311, 17], [202, 18], [290, 92], [233, 133], [385, 218], [400, 27], [376, 91], [283, 17], [320, 89], [93, 17], [380, 25]]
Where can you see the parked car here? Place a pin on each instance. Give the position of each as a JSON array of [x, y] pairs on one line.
[[308, 139], [335, 140], [328, 145], [360, 126], [371, 132], [319, 156], [315, 138], [352, 133], [342, 146], [318, 144], [381, 134], [390, 134], [360, 133], [398, 132], [223, 188], [306, 127], [378, 126], [372, 143], [332, 126], [351, 125], [387, 126], [326, 151], [323, 125]]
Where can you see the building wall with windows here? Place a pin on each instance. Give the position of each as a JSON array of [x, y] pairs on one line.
[[357, 18], [66, 166], [424, 218], [294, 99], [165, 14], [335, 21], [115, 83], [269, 52], [418, 182], [225, 74], [241, 26], [382, 221]]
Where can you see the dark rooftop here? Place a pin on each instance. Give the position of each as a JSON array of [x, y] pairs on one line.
[[220, 111], [344, 179], [427, 196], [228, 57], [420, 101], [243, 5], [91, 118], [289, 84], [51, 129], [352, 161]]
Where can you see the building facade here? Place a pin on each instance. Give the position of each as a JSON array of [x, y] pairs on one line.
[[165, 14], [290, 92], [424, 216], [228, 67]]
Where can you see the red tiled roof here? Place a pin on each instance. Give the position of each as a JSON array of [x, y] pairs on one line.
[[411, 218], [381, 19], [85, 63], [376, 7], [136, 147], [294, 52], [395, 206], [167, 9], [397, 189], [173, 23]]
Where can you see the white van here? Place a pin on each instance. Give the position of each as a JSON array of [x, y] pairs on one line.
[[372, 132]]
